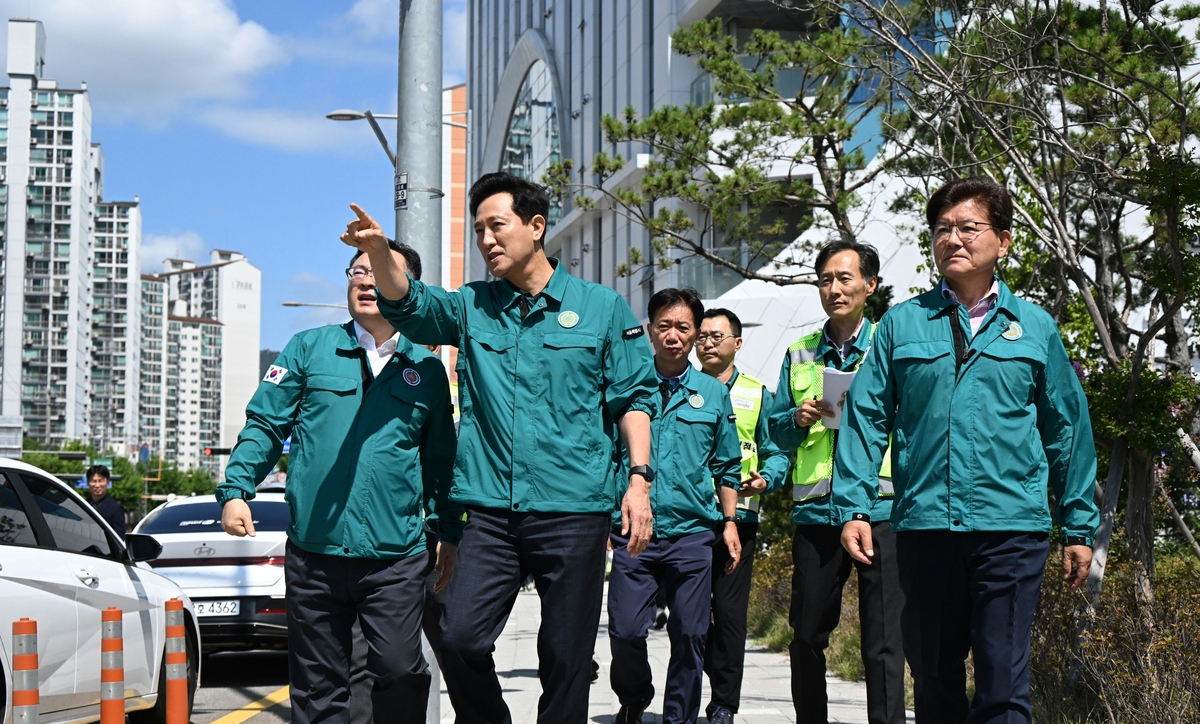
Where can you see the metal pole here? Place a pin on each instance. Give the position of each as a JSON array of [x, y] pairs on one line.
[[418, 191]]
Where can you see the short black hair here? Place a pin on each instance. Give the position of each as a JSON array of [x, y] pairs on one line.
[[667, 298], [734, 323], [411, 258], [994, 197], [528, 199], [98, 470], [868, 257]]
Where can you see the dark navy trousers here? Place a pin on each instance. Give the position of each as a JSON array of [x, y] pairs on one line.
[[326, 595], [682, 567], [564, 553], [970, 592]]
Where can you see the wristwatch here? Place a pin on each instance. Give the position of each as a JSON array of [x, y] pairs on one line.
[[729, 519], [645, 471], [861, 517]]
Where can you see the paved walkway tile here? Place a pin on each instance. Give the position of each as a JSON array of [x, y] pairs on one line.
[[766, 691]]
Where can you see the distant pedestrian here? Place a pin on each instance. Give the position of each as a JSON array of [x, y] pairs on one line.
[[551, 369], [371, 457], [694, 498], [764, 470], [99, 479], [989, 422]]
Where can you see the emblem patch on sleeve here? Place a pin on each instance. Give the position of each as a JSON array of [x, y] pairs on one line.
[[633, 332], [731, 418], [274, 375]]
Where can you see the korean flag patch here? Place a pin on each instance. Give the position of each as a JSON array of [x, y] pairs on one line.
[[274, 375]]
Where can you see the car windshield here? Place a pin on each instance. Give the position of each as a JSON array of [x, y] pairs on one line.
[[206, 517]]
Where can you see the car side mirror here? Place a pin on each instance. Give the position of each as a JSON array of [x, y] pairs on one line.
[[142, 547]]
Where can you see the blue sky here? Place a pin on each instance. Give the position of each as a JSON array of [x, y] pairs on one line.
[[212, 112]]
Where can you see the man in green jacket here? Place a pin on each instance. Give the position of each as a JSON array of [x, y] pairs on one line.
[[694, 498], [369, 471], [764, 470], [985, 413], [551, 369], [848, 274]]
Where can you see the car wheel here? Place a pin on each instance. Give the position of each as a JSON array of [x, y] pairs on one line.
[[158, 713]]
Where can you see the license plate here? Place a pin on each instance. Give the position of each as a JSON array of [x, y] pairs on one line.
[[217, 608]]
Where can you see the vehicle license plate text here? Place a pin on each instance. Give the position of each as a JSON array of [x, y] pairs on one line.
[[217, 608]]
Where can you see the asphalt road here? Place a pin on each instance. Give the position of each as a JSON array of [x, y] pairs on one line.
[[232, 682]]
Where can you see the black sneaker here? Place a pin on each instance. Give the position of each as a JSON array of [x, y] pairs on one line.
[[595, 671], [660, 621], [632, 714], [719, 715]]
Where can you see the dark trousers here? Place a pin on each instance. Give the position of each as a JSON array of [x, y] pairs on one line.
[[431, 625], [821, 569], [970, 592], [326, 595], [725, 652], [683, 568], [564, 553]]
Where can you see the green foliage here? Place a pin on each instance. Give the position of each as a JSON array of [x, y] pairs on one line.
[[1163, 403], [731, 180]]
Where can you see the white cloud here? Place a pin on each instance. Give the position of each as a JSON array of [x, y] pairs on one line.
[[289, 130], [185, 245], [145, 59], [373, 18]]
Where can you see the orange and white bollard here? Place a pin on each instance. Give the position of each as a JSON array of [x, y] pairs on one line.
[[177, 684], [112, 667], [25, 672]]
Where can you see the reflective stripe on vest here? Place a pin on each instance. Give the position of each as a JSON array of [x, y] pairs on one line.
[[746, 395], [812, 469]]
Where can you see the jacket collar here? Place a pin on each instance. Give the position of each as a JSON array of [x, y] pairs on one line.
[[861, 340], [935, 303], [555, 289]]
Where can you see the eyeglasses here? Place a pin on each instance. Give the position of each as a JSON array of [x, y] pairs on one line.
[[716, 337], [967, 231], [358, 273]]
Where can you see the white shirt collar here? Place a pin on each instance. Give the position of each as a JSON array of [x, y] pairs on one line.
[[367, 341]]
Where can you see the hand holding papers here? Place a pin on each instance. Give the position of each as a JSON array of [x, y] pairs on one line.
[[836, 385]]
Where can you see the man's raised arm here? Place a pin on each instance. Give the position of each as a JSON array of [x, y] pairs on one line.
[[365, 234]]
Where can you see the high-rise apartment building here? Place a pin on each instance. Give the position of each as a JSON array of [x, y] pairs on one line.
[[199, 356], [50, 174], [116, 326]]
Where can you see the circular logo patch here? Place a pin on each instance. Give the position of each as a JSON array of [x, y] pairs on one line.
[[411, 377], [696, 401], [568, 319], [1013, 333]]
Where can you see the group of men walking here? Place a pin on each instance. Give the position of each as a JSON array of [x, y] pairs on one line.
[[576, 435]]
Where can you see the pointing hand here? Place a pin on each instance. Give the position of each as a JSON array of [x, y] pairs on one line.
[[364, 233]]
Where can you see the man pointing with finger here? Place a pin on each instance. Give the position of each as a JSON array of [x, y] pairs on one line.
[[551, 369], [372, 450]]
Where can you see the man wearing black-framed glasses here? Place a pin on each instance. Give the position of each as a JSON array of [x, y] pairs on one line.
[[370, 471]]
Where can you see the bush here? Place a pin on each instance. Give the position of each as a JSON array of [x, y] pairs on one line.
[[1131, 665]]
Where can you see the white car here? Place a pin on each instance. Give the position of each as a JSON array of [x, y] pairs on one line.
[[61, 565], [236, 584]]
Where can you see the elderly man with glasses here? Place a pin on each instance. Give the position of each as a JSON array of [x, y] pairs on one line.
[[986, 413], [764, 469], [371, 466]]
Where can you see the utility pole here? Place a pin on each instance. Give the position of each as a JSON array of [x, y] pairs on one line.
[[418, 191]]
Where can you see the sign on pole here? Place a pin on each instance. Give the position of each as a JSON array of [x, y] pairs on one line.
[[401, 191]]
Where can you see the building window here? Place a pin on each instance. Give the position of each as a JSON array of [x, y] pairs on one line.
[[533, 142]]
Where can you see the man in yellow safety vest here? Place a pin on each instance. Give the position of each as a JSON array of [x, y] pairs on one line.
[[764, 469], [847, 274]]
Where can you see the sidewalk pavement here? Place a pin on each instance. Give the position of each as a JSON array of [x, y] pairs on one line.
[[766, 690]]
